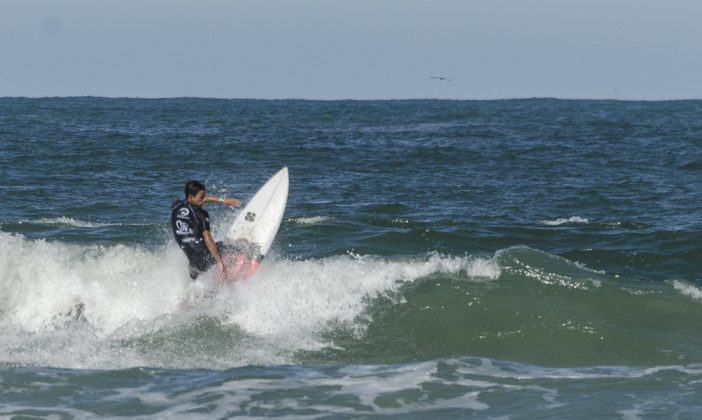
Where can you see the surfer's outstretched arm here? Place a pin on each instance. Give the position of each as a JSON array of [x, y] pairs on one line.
[[227, 201]]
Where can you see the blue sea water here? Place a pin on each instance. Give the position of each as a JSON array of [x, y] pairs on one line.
[[531, 258]]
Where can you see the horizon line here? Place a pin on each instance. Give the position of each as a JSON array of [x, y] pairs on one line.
[[516, 98]]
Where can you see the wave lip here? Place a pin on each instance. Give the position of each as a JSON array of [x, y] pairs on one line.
[[688, 289]]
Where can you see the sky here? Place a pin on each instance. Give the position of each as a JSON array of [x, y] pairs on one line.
[[352, 49]]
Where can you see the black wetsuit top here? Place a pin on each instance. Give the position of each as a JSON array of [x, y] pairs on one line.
[[188, 223]]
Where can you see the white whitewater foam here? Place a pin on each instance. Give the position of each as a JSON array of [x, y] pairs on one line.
[[563, 221], [41, 281], [68, 305], [688, 289]]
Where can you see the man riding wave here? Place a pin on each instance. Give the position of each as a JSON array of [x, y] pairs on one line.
[[191, 228]]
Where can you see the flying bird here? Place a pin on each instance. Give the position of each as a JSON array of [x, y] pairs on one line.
[[445, 79]]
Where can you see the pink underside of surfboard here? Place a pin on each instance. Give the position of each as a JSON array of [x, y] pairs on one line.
[[239, 266]]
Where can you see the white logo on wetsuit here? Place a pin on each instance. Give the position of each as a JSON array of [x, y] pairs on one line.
[[183, 213], [183, 228]]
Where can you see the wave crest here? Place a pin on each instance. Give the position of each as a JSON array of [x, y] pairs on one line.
[[563, 221]]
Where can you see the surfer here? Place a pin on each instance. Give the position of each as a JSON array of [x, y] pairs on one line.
[[191, 228]]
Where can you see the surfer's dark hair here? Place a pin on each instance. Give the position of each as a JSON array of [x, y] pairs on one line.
[[193, 187]]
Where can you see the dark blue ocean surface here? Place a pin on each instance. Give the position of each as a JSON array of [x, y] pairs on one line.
[[436, 258]]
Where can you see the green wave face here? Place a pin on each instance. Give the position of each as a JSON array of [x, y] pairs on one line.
[[542, 309]]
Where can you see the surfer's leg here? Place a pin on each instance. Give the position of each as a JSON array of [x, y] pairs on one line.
[[199, 263]]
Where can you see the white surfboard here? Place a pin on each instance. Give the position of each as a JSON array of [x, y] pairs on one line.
[[260, 219]]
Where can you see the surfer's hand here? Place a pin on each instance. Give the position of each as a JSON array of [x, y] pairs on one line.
[[232, 202], [222, 274]]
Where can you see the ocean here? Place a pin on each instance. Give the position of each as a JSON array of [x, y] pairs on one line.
[[533, 258]]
